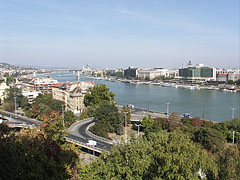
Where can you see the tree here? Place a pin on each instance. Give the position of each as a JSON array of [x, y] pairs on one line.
[[210, 139], [230, 82], [160, 124], [228, 161], [69, 118], [10, 79], [30, 154], [162, 156], [174, 120], [100, 94], [197, 122], [147, 124], [107, 119]]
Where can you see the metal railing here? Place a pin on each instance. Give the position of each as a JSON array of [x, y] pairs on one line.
[[83, 144], [95, 136]]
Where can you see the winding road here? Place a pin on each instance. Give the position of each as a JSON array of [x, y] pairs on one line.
[[79, 132]]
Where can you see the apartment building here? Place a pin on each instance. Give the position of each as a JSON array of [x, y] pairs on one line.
[[72, 93]]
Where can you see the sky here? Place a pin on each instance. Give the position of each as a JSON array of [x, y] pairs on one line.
[[119, 33]]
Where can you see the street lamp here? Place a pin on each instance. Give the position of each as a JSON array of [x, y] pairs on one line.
[[125, 127], [15, 103], [233, 135], [63, 114], [233, 109], [138, 125], [167, 110]]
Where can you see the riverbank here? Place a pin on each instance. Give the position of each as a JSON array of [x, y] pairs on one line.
[[192, 86]]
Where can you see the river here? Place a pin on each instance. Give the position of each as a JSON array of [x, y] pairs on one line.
[[207, 104]]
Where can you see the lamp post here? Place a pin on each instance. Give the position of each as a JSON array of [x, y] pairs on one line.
[[138, 125], [234, 132], [167, 110], [15, 104], [233, 109], [63, 114], [125, 127]]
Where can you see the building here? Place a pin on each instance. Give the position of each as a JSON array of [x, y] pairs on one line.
[[198, 73], [31, 95], [222, 77], [148, 74], [42, 84], [234, 76], [131, 72], [3, 88], [72, 93]]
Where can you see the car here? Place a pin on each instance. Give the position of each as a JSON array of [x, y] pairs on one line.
[[186, 115], [131, 106]]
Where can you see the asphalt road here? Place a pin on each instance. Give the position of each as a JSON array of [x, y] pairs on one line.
[[82, 136], [20, 119]]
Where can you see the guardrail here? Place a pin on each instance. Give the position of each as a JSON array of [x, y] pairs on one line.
[[95, 136], [73, 126], [21, 125], [83, 144], [23, 117]]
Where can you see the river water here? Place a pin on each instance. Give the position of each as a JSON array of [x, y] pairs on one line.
[[207, 104]]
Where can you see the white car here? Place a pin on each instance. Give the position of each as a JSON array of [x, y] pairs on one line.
[[130, 106]]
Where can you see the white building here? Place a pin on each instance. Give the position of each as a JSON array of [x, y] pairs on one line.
[[31, 95], [3, 88], [234, 76]]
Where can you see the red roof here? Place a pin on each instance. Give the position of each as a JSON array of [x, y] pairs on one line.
[[57, 85], [223, 75]]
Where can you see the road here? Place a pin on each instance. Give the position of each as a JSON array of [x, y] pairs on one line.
[[79, 132], [20, 119]]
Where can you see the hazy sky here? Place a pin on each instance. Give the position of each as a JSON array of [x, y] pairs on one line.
[[119, 33]]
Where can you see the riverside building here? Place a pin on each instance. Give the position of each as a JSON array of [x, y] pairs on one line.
[[198, 73], [72, 94]]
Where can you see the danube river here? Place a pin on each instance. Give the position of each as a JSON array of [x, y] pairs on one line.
[[207, 104]]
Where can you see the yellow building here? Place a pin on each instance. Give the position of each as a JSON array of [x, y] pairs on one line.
[[72, 93]]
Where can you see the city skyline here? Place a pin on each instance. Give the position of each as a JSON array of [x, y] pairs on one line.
[[115, 34]]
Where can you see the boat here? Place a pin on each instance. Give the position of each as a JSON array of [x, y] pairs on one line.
[[192, 87]]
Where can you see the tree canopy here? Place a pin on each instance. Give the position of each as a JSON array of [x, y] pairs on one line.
[[162, 156], [108, 119], [100, 94]]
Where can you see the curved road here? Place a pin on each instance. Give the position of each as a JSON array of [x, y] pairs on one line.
[[79, 133]]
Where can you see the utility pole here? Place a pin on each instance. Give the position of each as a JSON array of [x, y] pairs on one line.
[[203, 115], [167, 110], [234, 132], [15, 103], [63, 114], [233, 109], [125, 127], [138, 125], [233, 136]]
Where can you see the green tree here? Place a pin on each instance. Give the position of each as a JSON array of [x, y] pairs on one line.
[[69, 118], [147, 123], [10, 79], [100, 94], [162, 156], [210, 139], [30, 154], [108, 119], [228, 161]]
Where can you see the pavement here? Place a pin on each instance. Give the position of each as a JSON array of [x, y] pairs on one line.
[[19, 119], [78, 131]]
